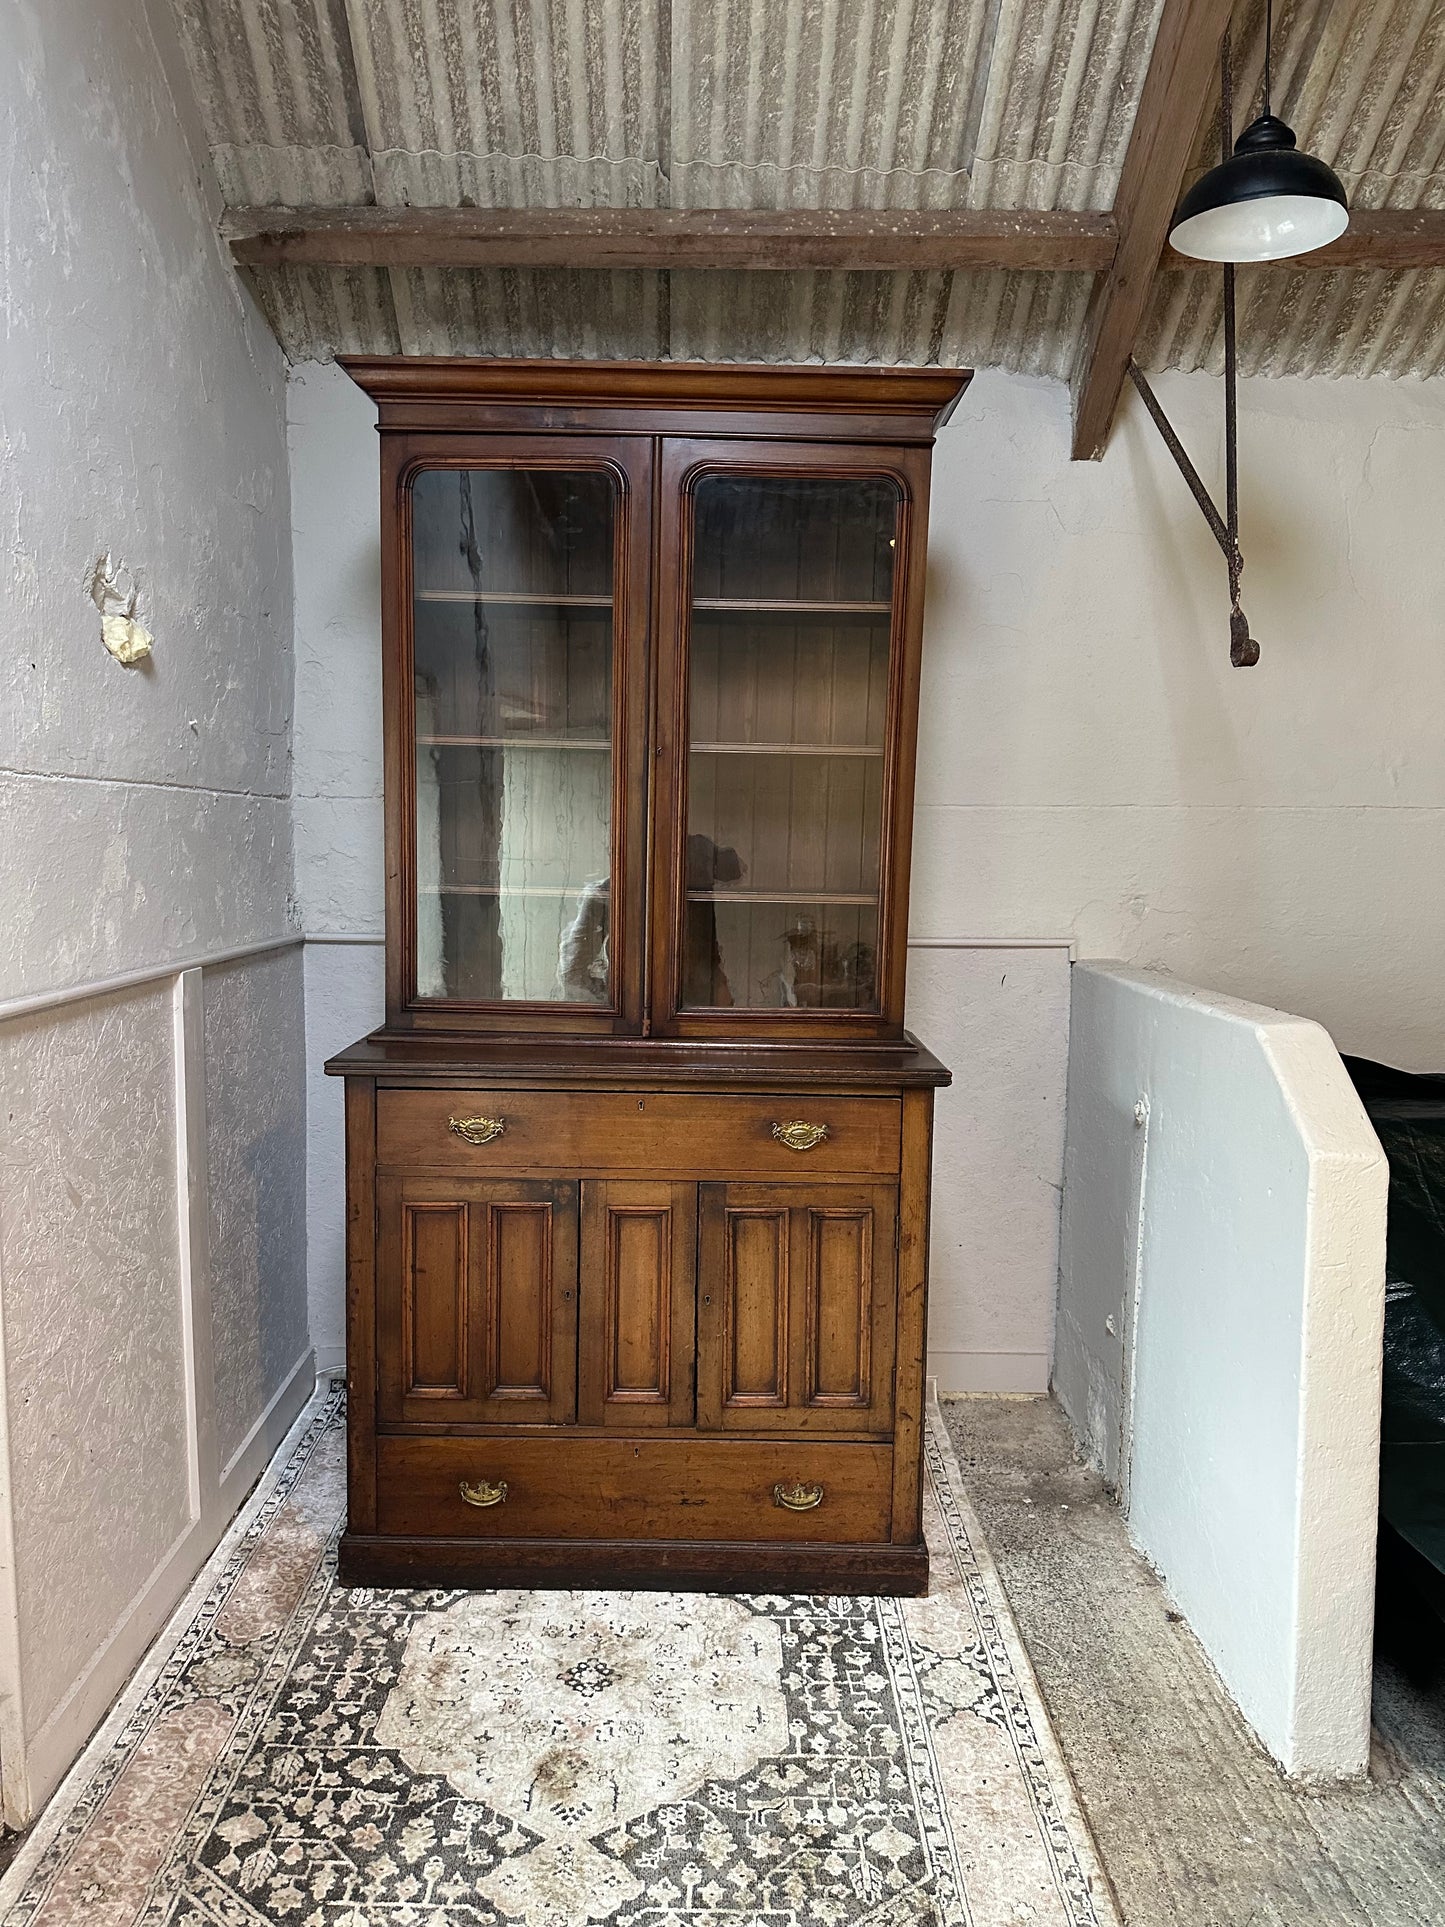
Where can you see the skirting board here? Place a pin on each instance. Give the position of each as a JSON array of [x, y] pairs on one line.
[[50, 1752], [990, 1372]]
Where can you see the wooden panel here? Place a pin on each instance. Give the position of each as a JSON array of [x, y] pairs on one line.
[[638, 1252], [517, 1293], [844, 1314], [838, 1307], [476, 1310], [434, 1301], [912, 1326], [361, 1306], [795, 1308], [606, 1488], [660, 1133], [755, 1307], [638, 1285]]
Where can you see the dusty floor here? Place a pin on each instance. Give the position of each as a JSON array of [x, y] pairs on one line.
[[1196, 1826]]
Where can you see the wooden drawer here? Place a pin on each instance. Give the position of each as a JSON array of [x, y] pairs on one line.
[[633, 1489], [662, 1134]]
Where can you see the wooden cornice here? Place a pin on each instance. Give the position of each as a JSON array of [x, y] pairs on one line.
[[420, 392]]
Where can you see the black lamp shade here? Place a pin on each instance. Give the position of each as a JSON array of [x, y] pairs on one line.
[[1267, 202]]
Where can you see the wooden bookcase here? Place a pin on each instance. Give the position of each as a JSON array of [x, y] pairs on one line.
[[638, 1165]]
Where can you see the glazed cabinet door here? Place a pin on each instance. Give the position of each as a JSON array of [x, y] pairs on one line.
[[790, 585], [476, 1301], [639, 1287], [517, 576], [796, 1306]]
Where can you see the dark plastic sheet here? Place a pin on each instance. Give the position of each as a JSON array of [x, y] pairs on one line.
[[1408, 1113]]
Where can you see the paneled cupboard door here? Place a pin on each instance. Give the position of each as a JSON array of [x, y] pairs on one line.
[[477, 1301], [520, 754], [638, 1285], [796, 1306], [787, 684]]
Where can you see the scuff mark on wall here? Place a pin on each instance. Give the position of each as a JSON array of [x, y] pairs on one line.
[[115, 592]]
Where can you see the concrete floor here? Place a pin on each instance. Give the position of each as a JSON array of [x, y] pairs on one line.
[[1196, 1825]]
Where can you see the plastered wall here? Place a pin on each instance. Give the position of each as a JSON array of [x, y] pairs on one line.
[[153, 1335], [1092, 772], [1092, 767]]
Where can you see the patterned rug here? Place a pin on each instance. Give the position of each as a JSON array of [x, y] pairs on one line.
[[297, 1752]]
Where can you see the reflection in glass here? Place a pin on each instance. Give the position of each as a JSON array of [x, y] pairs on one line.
[[789, 651], [512, 604]]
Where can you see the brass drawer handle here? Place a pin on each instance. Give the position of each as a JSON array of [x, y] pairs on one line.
[[800, 1136], [477, 1130], [483, 1493], [796, 1497]]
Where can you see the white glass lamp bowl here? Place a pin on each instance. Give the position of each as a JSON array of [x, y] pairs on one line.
[[1267, 202]]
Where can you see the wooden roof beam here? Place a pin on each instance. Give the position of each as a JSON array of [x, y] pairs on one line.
[[882, 239], [269, 237], [1181, 68]]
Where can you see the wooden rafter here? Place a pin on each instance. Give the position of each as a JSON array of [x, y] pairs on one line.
[[1181, 69], [658, 238]]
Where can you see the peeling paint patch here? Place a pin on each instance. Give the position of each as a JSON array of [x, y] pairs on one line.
[[115, 593]]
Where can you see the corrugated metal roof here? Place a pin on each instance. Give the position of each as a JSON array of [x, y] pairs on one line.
[[795, 103], [1363, 85], [276, 84]]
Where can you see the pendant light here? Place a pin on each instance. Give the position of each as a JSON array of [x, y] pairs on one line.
[[1267, 201]]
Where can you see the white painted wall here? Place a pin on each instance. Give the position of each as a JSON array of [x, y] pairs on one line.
[[152, 1230], [1092, 767], [1001, 1018], [1221, 1304], [1091, 770]]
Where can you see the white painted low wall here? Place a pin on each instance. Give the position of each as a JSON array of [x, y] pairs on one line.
[[1221, 1304]]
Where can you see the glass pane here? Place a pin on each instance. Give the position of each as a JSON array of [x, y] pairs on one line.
[[512, 586], [792, 595]]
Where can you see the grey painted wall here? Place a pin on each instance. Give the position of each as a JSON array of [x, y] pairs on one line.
[[152, 1222]]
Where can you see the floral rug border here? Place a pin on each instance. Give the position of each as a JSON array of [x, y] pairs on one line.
[[1078, 1871], [84, 1789]]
